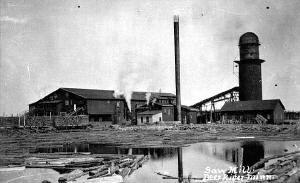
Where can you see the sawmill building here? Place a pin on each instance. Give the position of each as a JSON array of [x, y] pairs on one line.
[[99, 105]]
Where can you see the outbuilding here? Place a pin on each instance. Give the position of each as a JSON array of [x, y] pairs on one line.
[[149, 117]]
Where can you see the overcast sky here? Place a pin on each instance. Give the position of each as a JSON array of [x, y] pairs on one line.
[[128, 45]]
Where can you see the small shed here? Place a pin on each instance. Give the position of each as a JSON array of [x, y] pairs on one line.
[[248, 111], [149, 117], [189, 114]]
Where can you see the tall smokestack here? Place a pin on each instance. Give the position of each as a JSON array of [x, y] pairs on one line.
[[177, 67]]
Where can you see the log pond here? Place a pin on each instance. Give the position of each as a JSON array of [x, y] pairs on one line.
[[199, 160]]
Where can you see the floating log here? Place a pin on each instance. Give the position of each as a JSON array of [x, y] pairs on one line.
[[100, 169], [71, 176], [44, 166], [125, 163], [96, 165], [134, 165], [142, 161], [125, 172], [99, 174], [87, 163], [12, 168], [136, 160], [112, 169], [91, 168]]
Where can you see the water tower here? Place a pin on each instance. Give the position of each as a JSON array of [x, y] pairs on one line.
[[250, 82]]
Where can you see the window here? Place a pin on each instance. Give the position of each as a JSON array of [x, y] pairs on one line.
[[159, 118], [141, 119], [147, 119], [66, 102], [169, 111]]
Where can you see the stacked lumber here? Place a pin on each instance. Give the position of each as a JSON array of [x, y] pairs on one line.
[[95, 165], [260, 119]]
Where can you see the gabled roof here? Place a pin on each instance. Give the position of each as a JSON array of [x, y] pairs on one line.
[[109, 94], [251, 105], [150, 112], [94, 94]]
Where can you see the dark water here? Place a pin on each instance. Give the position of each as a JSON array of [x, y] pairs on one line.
[[196, 159]]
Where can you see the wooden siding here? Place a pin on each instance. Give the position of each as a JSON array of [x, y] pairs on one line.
[[57, 102], [278, 114], [168, 113]]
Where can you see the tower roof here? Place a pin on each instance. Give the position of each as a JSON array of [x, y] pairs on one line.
[[249, 38]]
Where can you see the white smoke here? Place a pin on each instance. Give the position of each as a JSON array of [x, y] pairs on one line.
[[117, 94], [134, 74], [128, 78], [126, 94], [148, 95]]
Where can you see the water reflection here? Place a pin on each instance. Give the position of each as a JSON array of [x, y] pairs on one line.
[[180, 167], [244, 154], [155, 153], [240, 153], [253, 152], [195, 159]]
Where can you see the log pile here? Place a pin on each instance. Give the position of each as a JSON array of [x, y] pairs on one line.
[[93, 166], [284, 168], [275, 169]]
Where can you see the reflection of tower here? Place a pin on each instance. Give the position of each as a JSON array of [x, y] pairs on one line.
[[253, 151], [250, 83]]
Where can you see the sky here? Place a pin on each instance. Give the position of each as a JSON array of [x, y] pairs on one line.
[[128, 45]]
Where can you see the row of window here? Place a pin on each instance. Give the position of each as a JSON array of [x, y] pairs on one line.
[[147, 119]]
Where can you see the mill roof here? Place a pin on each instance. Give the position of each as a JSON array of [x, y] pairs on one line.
[[95, 94], [109, 94], [251, 105]]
